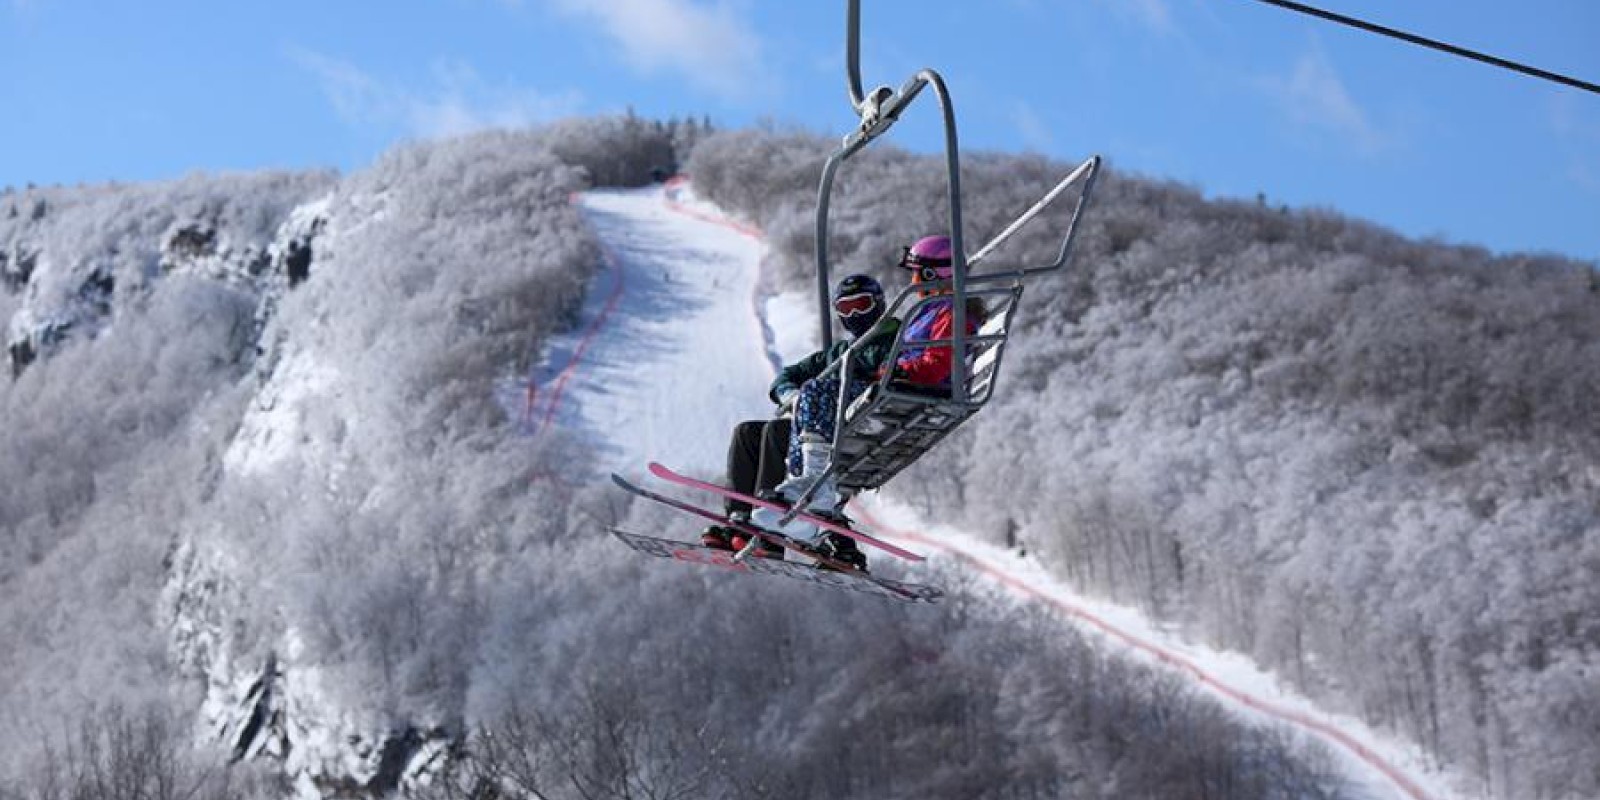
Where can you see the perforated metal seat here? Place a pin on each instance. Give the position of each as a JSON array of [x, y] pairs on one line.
[[894, 423]]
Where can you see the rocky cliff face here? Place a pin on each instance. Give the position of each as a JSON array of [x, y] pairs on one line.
[[72, 262], [272, 706], [69, 258], [255, 471]]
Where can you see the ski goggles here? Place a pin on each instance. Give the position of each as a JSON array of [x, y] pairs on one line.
[[926, 269], [855, 305]]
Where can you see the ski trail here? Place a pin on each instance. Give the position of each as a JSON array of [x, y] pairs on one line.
[[666, 356], [688, 352]]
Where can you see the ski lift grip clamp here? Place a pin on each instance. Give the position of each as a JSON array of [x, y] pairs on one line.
[[871, 108], [882, 109]]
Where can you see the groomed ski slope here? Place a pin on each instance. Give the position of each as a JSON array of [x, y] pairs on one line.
[[669, 340], [675, 345]]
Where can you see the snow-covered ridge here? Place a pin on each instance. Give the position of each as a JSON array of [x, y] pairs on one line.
[[361, 558], [1295, 433], [76, 256], [1383, 766], [201, 354]]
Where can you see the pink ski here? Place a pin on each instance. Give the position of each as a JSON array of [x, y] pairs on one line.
[[667, 474], [846, 579]]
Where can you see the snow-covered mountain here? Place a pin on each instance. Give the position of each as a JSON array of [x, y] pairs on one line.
[[227, 394], [273, 476], [1368, 462]]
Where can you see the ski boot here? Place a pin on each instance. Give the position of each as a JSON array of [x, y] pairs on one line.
[[717, 537], [723, 537], [815, 455], [839, 547], [759, 547]]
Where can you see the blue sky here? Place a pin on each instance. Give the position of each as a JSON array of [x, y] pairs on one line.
[[1232, 96]]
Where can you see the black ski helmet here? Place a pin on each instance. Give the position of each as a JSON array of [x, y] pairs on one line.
[[858, 301]]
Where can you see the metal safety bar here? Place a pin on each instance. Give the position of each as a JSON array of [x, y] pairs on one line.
[[1088, 172]]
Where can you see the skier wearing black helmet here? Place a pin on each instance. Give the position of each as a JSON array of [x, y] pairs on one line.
[[761, 451]]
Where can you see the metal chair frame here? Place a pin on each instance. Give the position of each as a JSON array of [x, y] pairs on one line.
[[892, 424]]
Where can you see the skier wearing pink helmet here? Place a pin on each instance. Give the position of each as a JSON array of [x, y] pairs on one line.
[[930, 260], [811, 448]]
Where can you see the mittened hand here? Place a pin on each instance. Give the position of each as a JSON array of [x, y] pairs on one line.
[[786, 400]]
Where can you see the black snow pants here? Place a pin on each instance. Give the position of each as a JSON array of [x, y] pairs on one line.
[[756, 456]]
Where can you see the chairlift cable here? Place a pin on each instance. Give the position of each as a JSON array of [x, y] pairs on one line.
[[1454, 50]]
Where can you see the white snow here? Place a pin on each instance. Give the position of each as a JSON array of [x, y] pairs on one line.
[[677, 355], [683, 355], [273, 431]]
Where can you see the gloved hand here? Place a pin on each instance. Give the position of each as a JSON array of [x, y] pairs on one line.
[[786, 401], [895, 371]]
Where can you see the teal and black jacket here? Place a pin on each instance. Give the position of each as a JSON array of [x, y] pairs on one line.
[[864, 366]]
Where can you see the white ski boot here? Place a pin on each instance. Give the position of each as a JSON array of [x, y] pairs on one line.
[[815, 455]]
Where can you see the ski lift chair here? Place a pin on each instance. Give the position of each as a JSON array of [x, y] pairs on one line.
[[894, 423]]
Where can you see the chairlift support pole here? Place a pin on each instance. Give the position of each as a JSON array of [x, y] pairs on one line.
[[878, 112]]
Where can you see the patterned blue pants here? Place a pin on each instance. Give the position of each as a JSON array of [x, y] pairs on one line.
[[815, 410]]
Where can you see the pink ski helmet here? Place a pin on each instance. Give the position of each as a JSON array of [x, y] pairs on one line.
[[928, 259]]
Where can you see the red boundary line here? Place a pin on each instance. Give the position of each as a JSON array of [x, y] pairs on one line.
[[676, 181], [1327, 731], [553, 400], [560, 382]]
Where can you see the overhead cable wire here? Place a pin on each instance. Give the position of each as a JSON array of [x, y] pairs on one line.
[[1436, 45]]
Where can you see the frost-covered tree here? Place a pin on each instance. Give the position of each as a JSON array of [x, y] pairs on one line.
[[1369, 462], [292, 511]]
